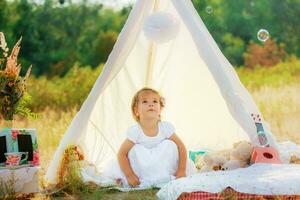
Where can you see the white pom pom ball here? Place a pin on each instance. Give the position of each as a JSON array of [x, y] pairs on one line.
[[161, 27]]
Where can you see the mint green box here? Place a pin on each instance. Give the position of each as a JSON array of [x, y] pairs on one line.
[[193, 154], [13, 135]]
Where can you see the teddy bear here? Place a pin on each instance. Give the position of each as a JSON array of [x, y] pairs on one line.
[[211, 162], [231, 165], [241, 154], [294, 159], [238, 157]]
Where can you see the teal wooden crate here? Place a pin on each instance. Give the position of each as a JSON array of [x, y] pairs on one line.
[[193, 154], [20, 140]]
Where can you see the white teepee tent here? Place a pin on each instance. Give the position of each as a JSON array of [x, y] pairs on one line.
[[205, 100]]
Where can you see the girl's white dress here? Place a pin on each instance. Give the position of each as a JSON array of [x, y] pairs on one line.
[[153, 159]]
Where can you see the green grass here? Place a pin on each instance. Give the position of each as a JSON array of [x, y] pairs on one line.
[[116, 195]]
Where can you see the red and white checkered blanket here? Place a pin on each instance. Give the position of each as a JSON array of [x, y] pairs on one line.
[[229, 193]]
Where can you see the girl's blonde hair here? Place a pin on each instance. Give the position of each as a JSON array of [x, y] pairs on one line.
[[135, 100]]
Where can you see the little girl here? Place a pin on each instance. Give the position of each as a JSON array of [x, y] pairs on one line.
[[152, 153]]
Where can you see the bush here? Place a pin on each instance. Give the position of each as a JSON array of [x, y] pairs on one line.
[[63, 93], [267, 55], [281, 74]]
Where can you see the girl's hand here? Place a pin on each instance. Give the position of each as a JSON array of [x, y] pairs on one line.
[[180, 174], [133, 180]]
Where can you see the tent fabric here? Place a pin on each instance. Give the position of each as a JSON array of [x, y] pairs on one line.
[[205, 99]]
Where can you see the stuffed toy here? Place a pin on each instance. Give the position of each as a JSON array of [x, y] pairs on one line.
[[242, 153], [294, 159], [199, 163], [212, 162], [231, 165], [229, 159]]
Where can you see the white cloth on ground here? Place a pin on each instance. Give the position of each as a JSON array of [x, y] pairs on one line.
[[264, 179], [288, 149]]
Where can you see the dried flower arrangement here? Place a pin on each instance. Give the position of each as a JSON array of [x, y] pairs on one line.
[[13, 96], [70, 166]]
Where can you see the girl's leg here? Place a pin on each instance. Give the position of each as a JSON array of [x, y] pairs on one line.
[[172, 155]]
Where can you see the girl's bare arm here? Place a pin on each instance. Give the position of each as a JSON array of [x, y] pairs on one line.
[[182, 156], [125, 164]]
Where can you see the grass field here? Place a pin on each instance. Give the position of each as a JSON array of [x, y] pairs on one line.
[[279, 103]]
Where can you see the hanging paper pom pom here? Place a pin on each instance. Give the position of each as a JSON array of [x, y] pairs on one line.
[[161, 27]]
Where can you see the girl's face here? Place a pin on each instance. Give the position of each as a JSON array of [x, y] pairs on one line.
[[148, 106]]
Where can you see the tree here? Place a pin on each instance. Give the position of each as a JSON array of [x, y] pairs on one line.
[[103, 46], [3, 15], [287, 21], [233, 49]]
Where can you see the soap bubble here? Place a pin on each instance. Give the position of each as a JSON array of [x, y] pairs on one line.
[[263, 35], [209, 9]]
